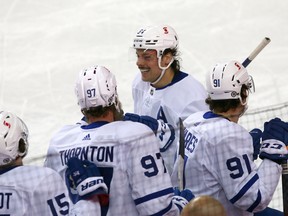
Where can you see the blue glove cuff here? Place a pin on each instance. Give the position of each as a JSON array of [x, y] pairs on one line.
[[273, 157]]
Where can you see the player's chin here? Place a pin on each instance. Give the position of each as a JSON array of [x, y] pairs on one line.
[[145, 76]]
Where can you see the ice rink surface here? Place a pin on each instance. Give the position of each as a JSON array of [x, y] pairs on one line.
[[44, 44]]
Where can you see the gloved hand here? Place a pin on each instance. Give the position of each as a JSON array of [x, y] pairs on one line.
[[147, 120], [182, 198], [164, 132], [256, 134], [275, 141], [85, 177]]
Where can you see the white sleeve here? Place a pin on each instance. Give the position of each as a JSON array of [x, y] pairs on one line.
[[150, 182], [86, 208], [51, 188], [246, 186]]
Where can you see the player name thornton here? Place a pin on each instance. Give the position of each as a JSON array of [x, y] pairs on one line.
[[92, 153]]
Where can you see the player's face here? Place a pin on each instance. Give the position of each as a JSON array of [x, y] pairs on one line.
[[147, 63]]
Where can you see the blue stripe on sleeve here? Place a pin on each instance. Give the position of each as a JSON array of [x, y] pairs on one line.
[[164, 211], [244, 189], [256, 203], [154, 195]]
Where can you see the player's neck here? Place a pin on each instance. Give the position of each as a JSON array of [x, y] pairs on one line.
[[166, 79], [232, 118], [109, 117], [17, 162], [233, 114]]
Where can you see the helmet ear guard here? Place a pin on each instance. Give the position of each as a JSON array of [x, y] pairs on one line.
[[22, 148]]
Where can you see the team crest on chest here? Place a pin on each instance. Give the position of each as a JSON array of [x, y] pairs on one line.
[[151, 91]]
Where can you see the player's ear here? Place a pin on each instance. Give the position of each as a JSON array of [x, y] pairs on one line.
[[166, 59]]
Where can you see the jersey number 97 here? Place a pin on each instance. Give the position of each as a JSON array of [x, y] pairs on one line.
[[148, 162]]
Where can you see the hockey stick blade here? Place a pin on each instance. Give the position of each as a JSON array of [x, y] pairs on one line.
[[256, 51], [181, 155]]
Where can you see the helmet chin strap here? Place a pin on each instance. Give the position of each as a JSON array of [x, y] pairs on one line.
[[163, 70]]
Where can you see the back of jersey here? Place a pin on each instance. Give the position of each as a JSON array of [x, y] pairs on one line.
[[128, 157], [218, 162], [27, 190]]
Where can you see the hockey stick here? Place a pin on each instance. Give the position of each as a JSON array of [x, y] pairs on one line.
[[285, 187], [181, 155], [256, 51], [247, 61]]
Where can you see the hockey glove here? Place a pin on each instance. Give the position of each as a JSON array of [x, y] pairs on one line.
[[147, 120], [275, 141], [164, 132], [181, 199], [256, 136], [85, 177]]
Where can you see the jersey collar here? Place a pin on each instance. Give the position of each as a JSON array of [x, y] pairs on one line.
[[177, 77], [94, 125], [8, 169], [210, 114]]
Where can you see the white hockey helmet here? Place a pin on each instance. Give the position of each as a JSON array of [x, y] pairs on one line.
[[156, 38], [96, 86], [225, 80], [13, 131]]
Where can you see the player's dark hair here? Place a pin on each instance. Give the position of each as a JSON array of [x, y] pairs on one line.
[[101, 111], [219, 106], [95, 111], [176, 63]]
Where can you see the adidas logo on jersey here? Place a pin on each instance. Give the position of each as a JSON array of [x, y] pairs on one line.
[[87, 137]]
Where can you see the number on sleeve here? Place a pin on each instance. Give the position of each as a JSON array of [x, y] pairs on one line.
[[149, 164], [235, 166], [61, 203]]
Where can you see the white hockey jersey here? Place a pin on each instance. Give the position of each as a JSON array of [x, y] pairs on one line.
[[182, 97], [127, 155], [219, 162], [32, 191]]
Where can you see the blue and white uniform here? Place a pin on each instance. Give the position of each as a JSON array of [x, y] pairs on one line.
[[219, 162], [128, 157], [182, 97], [31, 190]]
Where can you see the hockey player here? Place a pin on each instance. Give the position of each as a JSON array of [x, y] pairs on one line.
[[219, 152], [161, 90], [26, 190], [126, 153]]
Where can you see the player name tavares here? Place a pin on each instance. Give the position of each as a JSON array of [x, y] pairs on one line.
[[190, 140], [91, 153]]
